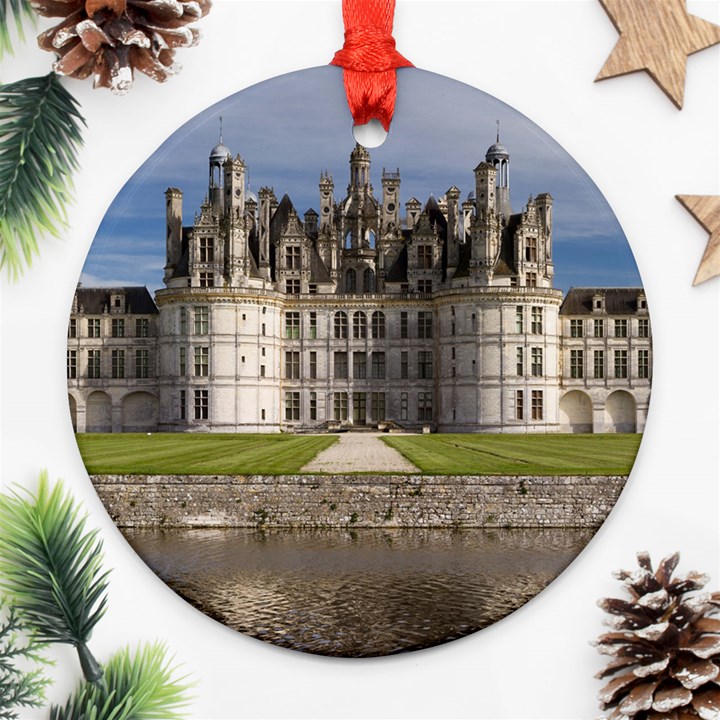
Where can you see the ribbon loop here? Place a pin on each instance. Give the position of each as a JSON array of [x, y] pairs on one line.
[[369, 60]]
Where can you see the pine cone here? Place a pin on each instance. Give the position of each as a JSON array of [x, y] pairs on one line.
[[111, 38], [665, 644]]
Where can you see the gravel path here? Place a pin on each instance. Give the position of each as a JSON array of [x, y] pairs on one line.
[[359, 452]]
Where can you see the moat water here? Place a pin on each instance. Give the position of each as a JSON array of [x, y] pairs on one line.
[[358, 593]]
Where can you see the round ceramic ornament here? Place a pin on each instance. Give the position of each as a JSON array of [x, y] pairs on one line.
[[359, 401]]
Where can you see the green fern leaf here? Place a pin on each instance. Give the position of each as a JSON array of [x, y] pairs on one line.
[[39, 139], [135, 687], [50, 566], [13, 11]]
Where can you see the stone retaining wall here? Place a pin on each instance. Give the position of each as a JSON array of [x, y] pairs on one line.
[[357, 500]]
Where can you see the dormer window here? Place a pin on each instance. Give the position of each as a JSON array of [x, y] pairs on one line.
[[641, 302], [117, 303], [598, 303]]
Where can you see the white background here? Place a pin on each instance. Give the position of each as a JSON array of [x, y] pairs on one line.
[[541, 58]]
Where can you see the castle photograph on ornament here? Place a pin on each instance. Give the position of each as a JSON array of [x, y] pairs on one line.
[[360, 303]]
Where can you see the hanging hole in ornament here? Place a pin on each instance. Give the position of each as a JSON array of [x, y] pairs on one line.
[[370, 135]]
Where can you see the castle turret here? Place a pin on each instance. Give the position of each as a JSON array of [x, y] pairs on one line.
[[359, 169], [499, 158], [173, 230], [218, 155], [454, 228], [267, 198], [390, 220]]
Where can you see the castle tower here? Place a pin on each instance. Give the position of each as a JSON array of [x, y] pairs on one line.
[[236, 225], [454, 228], [359, 169], [267, 198], [485, 178], [218, 155], [173, 230], [499, 158], [327, 204], [390, 219]]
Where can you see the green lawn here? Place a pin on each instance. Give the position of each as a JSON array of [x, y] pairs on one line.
[[519, 454], [206, 454]]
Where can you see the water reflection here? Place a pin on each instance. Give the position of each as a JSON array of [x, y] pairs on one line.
[[358, 593]]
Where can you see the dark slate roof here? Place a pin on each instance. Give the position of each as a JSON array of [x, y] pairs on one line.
[[96, 301], [618, 301], [463, 268], [506, 261], [182, 269], [280, 219], [318, 271], [398, 271]]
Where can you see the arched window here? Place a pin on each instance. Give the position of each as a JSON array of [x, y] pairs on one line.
[[359, 326], [341, 325], [368, 281], [350, 281], [378, 325]]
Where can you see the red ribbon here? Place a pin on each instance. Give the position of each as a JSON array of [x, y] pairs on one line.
[[369, 60]]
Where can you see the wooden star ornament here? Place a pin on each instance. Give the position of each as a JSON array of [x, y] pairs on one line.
[[706, 210], [656, 36]]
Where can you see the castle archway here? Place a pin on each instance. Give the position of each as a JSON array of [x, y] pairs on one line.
[[98, 412], [576, 412], [73, 411], [140, 412], [620, 413]]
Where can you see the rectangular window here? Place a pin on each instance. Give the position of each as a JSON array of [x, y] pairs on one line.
[[377, 406], [292, 286], [71, 364], [519, 404], [531, 279], [536, 355], [537, 410], [340, 406], [142, 327], [643, 364], [424, 286], [378, 366], [93, 368], [403, 325], [425, 324], [598, 327], [313, 325], [118, 327], [117, 364], [207, 279], [378, 326], [359, 408], [292, 365], [93, 328], [341, 325], [404, 365], [643, 327], [621, 363], [425, 257], [519, 319], [142, 363], [340, 365], [531, 250], [182, 361], [621, 328], [72, 328], [536, 325], [313, 365], [201, 317], [520, 361], [425, 410], [425, 365], [403, 406], [359, 326], [183, 321], [292, 258], [313, 406], [207, 250], [359, 365], [201, 405], [292, 325], [599, 363], [576, 328], [292, 406], [183, 405], [263, 331], [577, 363], [201, 361]]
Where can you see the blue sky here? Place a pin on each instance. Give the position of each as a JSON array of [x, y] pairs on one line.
[[291, 128]]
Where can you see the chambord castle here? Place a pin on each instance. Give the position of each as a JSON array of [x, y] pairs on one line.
[[443, 316]]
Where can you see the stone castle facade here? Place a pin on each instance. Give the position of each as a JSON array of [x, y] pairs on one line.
[[444, 317]]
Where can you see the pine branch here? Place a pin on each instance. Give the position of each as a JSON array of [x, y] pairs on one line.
[[17, 11], [142, 687], [50, 568], [19, 688], [39, 139]]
